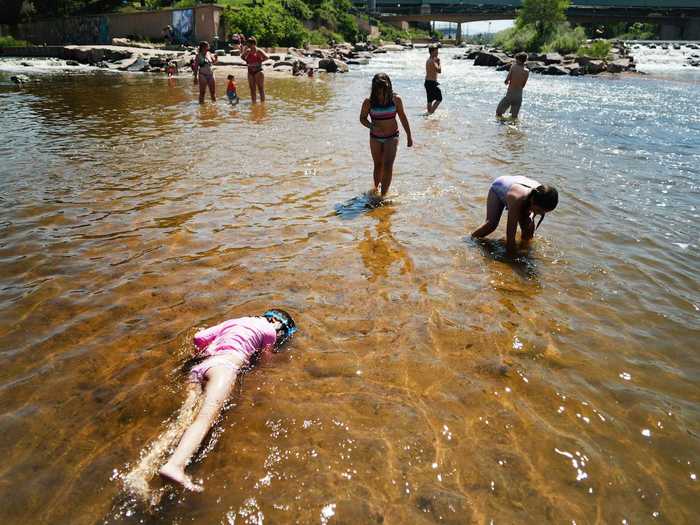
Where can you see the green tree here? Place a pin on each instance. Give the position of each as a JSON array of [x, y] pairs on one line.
[[544, 15]]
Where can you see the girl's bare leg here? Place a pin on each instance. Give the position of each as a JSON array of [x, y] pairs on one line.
[[377, 148], [220, 381], [212, 88], [388, 157], [202, 88], [260, 81], [251, 85], [136, 481], [494, 210]]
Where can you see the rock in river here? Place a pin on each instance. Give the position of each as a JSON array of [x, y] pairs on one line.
[[484, 58]]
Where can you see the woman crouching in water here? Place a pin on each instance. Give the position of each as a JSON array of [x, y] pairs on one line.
[[222, 351], [382, 107], [525, 198]]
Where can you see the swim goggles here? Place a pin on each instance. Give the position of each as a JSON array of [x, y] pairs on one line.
[[288, 328]]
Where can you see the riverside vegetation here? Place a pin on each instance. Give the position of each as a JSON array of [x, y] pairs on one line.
[[274, 22]]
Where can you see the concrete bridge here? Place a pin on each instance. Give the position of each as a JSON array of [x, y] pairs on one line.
[[677, 18]]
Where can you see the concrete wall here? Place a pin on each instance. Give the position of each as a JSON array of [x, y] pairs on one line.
[[691, 31], [100, 29]]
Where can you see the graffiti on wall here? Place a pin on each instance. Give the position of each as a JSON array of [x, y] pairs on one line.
[[183, 25], [77, 30]]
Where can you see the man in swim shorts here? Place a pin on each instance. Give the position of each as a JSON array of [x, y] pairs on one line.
[[432, 69], [516, 80]]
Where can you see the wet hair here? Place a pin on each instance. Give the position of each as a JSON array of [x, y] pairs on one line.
[[521, 57], [545, 197], [431, 48], [381, 82], [252, 40], [289, 326], [202, 44], [230, 77]]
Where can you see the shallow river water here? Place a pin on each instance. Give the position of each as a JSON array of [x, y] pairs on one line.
[[431, 381]]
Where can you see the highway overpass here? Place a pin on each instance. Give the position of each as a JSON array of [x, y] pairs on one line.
[[676, 18]]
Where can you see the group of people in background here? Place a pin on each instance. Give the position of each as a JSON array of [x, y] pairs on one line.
[[523, 197], [202, 69]]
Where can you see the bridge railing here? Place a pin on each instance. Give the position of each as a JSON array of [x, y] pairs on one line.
[[403, 5]]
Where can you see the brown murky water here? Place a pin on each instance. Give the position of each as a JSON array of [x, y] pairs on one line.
[[431, 381]]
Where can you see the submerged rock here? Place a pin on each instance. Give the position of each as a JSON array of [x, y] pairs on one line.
[[20, 79]]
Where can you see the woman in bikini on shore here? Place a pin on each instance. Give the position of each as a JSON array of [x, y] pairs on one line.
[[255, 57], [382, 107], [202, 68]]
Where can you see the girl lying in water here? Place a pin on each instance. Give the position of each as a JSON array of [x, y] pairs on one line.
[[222, 351], [525, 198]]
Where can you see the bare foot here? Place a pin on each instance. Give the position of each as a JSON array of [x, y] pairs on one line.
[[178, 476]]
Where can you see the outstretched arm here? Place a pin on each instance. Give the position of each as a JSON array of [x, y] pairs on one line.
[[514, 210], [404, 120]]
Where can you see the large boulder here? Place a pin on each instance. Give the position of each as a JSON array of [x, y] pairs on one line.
[[491, 59], [554, 69], [137, 64], [574, 69], [472, 55], [618, 66], [360, 46], [536, 67], [156, 61], [594, 67], [333, 65], [553, 58]]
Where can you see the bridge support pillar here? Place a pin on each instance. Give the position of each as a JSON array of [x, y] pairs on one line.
[[670, 32], [691, 31], [458, 34]]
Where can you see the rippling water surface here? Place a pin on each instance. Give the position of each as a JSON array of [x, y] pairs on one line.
[[432, 380]]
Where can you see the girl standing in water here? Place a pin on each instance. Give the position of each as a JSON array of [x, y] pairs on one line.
[[382, 107], [222, 351], [525, 198], [202, 68], [255, 57]]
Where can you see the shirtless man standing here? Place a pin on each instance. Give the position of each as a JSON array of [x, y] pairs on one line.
[[516, 80], [432, 68]]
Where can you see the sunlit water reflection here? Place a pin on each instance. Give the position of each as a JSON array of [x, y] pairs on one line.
[[432, 380]]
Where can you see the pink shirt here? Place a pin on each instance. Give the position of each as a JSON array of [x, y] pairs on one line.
[[246, 334]]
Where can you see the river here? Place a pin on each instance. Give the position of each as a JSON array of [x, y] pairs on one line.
[[432, 380]]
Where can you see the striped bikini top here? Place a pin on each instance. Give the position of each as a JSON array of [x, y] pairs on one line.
[[383, 112]]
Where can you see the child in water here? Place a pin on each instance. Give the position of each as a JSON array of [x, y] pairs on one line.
[[222, 351], [525, 198], [516, 80], [382, 107], [231, 90]]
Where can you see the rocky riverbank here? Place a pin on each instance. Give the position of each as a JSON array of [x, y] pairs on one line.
[[618, 61], [124, 56]]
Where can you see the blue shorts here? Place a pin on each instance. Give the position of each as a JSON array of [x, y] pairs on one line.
[[232, 96]]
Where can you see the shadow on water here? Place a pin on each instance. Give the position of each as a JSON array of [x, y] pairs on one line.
[[523, 265], [380, 249], [359, 205]]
